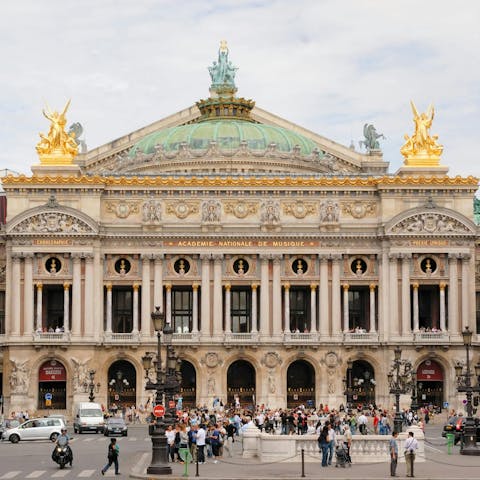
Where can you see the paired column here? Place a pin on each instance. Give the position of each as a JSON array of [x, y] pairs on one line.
[[443, 325], [205, 298], [254, 308], [109, 308], [168, 304], [277, 296], [29, 317], [135, 308], [372, 308], [76, 326], [466, 289], [453, 293], [393, 305], [313, 308], [286, 304], [66, 307], [406, 322], [217, 295], [264, 296], [88, 305], [39, 306], [324, 320], [16, 295], [346, 316], [228, 318], [146, 301], [335, 305], [416, 323], [195, 308]]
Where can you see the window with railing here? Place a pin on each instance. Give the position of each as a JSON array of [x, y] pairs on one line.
[[182, 306], [241, 310], [429, 308], [300, 309], [2, 313], [359, 308], [477, 310], [122, 309]]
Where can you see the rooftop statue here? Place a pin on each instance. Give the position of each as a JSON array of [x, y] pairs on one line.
[[222, 72], [371, 138], [76, 130], [421, 144], [57, 141]]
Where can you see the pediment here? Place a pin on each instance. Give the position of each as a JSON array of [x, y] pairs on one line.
[[52, 219], [427, 221]]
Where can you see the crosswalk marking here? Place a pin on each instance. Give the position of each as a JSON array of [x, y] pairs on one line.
[[35, 474], [10, 474], [86, 473], [60, 474]]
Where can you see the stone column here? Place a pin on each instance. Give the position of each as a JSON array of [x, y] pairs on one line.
[[466, 285], [135, 308], [313, 308], [324, 320], [99, 294], [264, 296], [168, 304], [205, 295], [146, 300], [277, 296], [28, 315], [66, 307], [335, 305], [443, 324], [406, 321], [453, 293], [394, 294], [383, 295], [254, 308], [372, 308], [109, 308], [39, 306], [88, 305], [16, 295], [416, 323], [157, 284], [346, 317], [76, 326], [217, 295], [286, 303], [228, 318], [195, 308]]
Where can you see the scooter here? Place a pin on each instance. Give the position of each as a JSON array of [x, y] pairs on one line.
[[62, 455]]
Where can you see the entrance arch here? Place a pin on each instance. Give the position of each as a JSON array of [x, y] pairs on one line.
[[430, 384], [52, 385], [300, 384], [241, 384], [122, 381], [188, 388], [360, 384]]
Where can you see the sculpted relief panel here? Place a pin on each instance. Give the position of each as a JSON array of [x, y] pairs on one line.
[[428, 223], [52, 222]]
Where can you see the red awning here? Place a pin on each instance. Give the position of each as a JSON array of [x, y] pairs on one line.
[[430, 371], [52, 371]]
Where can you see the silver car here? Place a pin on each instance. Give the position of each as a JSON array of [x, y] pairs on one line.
[[35, 429]]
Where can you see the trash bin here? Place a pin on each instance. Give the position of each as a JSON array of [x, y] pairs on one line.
[[450, 442]]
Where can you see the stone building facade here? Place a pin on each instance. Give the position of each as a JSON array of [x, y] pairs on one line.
[[290, 267]]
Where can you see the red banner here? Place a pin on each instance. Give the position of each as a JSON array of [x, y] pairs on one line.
[[430, 371], [52, 371]]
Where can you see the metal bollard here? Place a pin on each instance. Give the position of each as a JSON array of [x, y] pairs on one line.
[[196, 468], [303, 463]]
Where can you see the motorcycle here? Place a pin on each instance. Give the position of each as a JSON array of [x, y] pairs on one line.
[[62, 455]]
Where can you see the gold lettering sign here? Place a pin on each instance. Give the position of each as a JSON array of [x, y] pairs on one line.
[[243, 243], [429, 243], [52, 241]]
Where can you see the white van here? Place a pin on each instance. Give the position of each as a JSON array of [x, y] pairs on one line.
[[88, 418]]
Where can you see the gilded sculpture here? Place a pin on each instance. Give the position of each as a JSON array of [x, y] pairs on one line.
[[57, 144], [422, 148]]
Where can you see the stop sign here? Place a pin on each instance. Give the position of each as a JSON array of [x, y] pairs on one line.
[[159, 411]]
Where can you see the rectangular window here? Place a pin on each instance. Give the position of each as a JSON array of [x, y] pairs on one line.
[[182, 306], [300, 309], [2, 313], [241, 309], [359, 308], [53, 297], [122, 309]]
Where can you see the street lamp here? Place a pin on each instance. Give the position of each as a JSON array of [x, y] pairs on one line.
[[400, 382], [348, 383], [464, 381], [91, 386], [166, 385], [414, 404]]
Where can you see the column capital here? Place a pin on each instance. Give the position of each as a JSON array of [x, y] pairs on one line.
[[29, 256], [286, 286], [254, 286], [393, 257], [168, 287], [39, 285], [77, 257], [218, 257], [66, 286], [336, 257], [158, 257], [372, 287], [415, 285], [324, 257], [16, 257], [465, 257], [135, 287], [277, 258], [89, 257], [108, 286], [195, 287], [146, 257], [345, 287], [313, 287], [453, 256], [227, 287], [205, 256], [404, 256], [442, 286]]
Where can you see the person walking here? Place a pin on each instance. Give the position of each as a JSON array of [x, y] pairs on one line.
[[393, 454], [201, 436], [323, 441], [411, 446], [113, 451], [331, 443]]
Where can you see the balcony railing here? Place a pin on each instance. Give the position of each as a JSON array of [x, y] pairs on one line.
[[360, 337], [51, 337], [250, 337], [112, 337], [295, 337], [432, 337], [188, 337]]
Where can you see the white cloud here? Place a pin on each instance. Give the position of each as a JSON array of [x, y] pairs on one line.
[[330, 66]]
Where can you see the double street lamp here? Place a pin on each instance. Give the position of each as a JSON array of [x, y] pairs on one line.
[[91, 386], [464, 382], [167, 386], [401, 380]]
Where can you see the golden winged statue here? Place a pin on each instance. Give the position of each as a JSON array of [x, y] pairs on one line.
[[57, 142], [421, 144]]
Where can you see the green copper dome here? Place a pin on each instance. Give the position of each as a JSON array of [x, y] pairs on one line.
[[228, 135]]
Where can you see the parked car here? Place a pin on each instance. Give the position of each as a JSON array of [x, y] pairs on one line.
[[8, 423], [35, 429], [456, 426], [115, 426]]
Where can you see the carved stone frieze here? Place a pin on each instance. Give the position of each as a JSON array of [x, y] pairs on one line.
[[270, 215], [241, 209], [123, 208], [182, 209], [329, 211], [428, 223], [300, 209], [52, 222], [152, 211], [271, 359], [359, 209], [211, 211]]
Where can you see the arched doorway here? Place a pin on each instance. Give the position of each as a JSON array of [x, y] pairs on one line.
[[360, 384], [430, 384], [52, 386], [122, 381], [300, 384], [189, 384], [241, 384]]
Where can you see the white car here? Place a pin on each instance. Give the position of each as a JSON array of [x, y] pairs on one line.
[[35, 429]]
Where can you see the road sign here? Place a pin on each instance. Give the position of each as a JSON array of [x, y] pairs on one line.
[[445, 404], [48, 403], [171, 404], [48, 396], [159, 411]]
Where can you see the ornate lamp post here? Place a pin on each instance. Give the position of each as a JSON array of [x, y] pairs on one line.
[[166, 385], [400, 382], [348, 384], [91, 386], [414, 404], [464, 381]]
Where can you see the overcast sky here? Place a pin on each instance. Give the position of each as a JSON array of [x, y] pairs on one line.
[[329, 66]]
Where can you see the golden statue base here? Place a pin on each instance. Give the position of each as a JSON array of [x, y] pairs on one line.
[[56, 158], [422, 160]]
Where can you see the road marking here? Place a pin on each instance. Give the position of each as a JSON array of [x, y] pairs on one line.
[[89, 439], [132, 439], [11, 474], [434, 449], [35, 474], [61, 473], [86, 473]]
